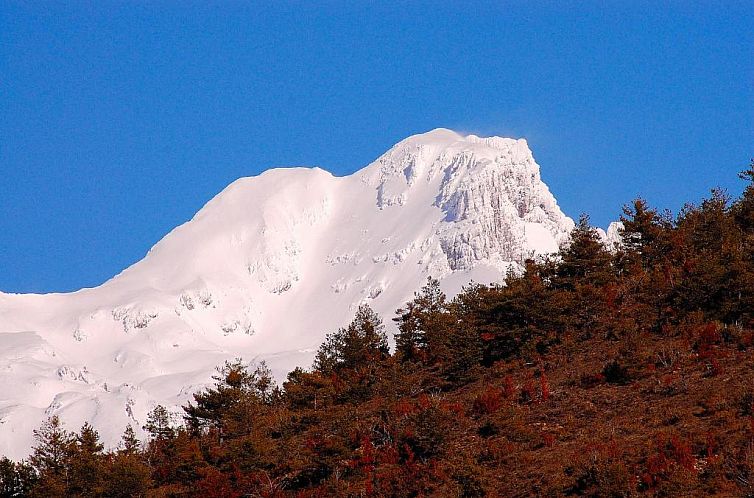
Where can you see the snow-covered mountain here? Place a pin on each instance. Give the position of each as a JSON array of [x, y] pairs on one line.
[[264, 271]]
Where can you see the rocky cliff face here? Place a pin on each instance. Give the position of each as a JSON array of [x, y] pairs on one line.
[[264, 271], [496, 209]]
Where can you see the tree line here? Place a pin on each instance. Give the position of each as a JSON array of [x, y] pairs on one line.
[[599, 371]]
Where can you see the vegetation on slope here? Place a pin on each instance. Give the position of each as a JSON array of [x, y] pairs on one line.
[[598, 372]]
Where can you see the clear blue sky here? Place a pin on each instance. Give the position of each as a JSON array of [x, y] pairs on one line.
[[119, 120]]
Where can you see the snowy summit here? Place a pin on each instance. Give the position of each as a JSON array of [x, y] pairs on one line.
[[264, 271]]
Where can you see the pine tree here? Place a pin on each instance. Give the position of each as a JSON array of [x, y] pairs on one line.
[[51, 457], [232, 382], [410, 341], [743, 215], [643, 233], [130, 444], [127, 475], [431, 332], [8, 479], [16, 479], [743, 208], [227, 406], [522, 316], [585, 259], [647, 263], [713, 260], [348, 364], [362, 342], [462, 349], [87, 464], [159, 424], [421, 323]]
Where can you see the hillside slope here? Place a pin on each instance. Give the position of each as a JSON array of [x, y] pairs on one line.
[[263, 271]]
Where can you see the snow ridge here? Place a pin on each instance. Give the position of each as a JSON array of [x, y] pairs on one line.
[[263, 271]]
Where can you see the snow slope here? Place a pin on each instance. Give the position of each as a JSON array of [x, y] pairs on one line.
[[264, 271]]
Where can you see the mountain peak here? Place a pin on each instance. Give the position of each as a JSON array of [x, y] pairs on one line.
[[436, 136], [267, 268], [444, 137]]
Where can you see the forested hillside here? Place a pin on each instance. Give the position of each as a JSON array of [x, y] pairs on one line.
[[604, 372]]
